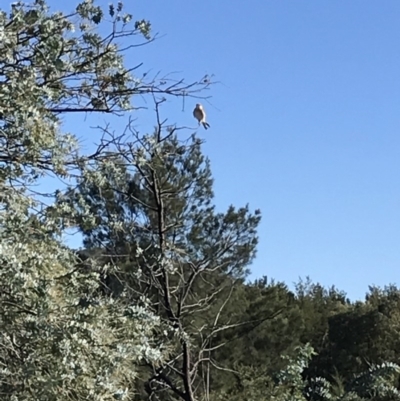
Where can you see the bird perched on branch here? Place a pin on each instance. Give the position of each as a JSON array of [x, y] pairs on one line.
[[200, 115]]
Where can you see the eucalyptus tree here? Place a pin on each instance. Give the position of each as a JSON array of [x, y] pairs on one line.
[[60, 338]]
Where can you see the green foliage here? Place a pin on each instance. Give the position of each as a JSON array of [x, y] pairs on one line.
[[153, 219], [273, 328], [349, 337], [289, 384], [61, 337]]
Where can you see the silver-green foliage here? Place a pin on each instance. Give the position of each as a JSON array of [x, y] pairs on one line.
[[60, 338]]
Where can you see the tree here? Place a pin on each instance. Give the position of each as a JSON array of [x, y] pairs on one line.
[[154, 220], [274, 329], [364, 333], [61, 338], [288, 384]]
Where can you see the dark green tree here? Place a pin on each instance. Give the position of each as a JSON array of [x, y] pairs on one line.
[[378, 383], [274, 327], [154, 220], [364, 334]]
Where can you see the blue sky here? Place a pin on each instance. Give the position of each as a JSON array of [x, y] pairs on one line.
[[305, 125]]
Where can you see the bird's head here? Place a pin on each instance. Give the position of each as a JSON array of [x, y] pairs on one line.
[[199, 106]]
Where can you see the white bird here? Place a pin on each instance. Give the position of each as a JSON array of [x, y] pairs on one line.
[[200, 115]]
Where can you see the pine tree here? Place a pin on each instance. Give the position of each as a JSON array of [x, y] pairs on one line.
[[155, 221]]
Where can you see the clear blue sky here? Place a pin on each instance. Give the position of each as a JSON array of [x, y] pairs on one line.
[[305, 125]]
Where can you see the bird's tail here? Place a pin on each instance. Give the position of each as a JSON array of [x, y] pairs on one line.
[[206, 125]]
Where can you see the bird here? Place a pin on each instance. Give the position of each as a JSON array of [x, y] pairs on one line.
[[200, 115]]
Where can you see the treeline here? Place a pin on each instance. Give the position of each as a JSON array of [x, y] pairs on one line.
[[348, 337]]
